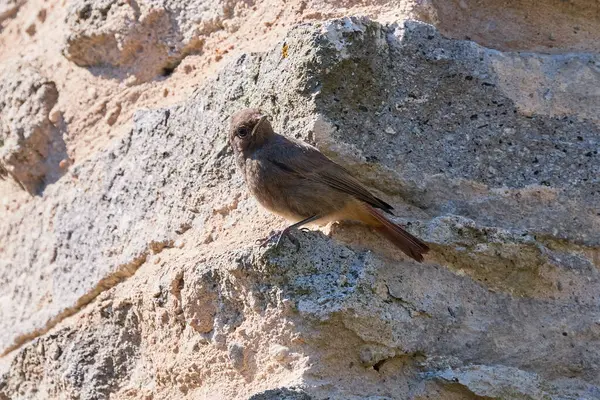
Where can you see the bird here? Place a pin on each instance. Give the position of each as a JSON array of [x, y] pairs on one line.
[[295, 180]]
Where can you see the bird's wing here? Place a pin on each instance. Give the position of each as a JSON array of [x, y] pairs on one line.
[[310, 163]]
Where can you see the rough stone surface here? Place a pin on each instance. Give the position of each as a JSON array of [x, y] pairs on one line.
[[8, 8], [504, 186], [90, 363], [115, 33], [552, 26], [30, 146], [281, 394]]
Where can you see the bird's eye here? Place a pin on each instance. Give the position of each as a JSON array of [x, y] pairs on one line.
[[242, 132]]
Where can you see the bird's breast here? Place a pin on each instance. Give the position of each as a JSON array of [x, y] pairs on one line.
[[268, 185]]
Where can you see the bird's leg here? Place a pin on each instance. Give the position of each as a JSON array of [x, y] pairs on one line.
[[286, 232]]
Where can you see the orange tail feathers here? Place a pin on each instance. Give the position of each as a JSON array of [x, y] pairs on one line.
[[410, 245]]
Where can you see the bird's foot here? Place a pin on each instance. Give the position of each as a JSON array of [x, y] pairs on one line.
[[264, 241], [279, 236]]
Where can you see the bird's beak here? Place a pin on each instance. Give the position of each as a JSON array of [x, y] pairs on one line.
[[258, 124]]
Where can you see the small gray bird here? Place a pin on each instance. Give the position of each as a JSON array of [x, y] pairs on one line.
[[295, 180]]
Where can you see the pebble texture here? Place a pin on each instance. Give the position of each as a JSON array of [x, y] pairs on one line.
[[504, 186]]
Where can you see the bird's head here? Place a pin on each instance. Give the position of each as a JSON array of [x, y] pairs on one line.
[[249, 128]]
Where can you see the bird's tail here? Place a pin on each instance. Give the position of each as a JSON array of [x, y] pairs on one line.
[[410, 245]]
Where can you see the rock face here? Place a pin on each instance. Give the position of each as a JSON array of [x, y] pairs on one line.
[[31, 147], [550, 27], [501, 179], [145, 38]]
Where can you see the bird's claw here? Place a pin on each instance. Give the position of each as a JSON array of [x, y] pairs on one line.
[[264, 241], [279, 236]]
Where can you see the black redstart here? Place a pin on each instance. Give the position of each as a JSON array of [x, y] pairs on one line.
[[298, 182]]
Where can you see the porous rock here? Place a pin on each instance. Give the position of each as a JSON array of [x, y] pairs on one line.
[[515, 25], [145, 38], [31, 147]]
